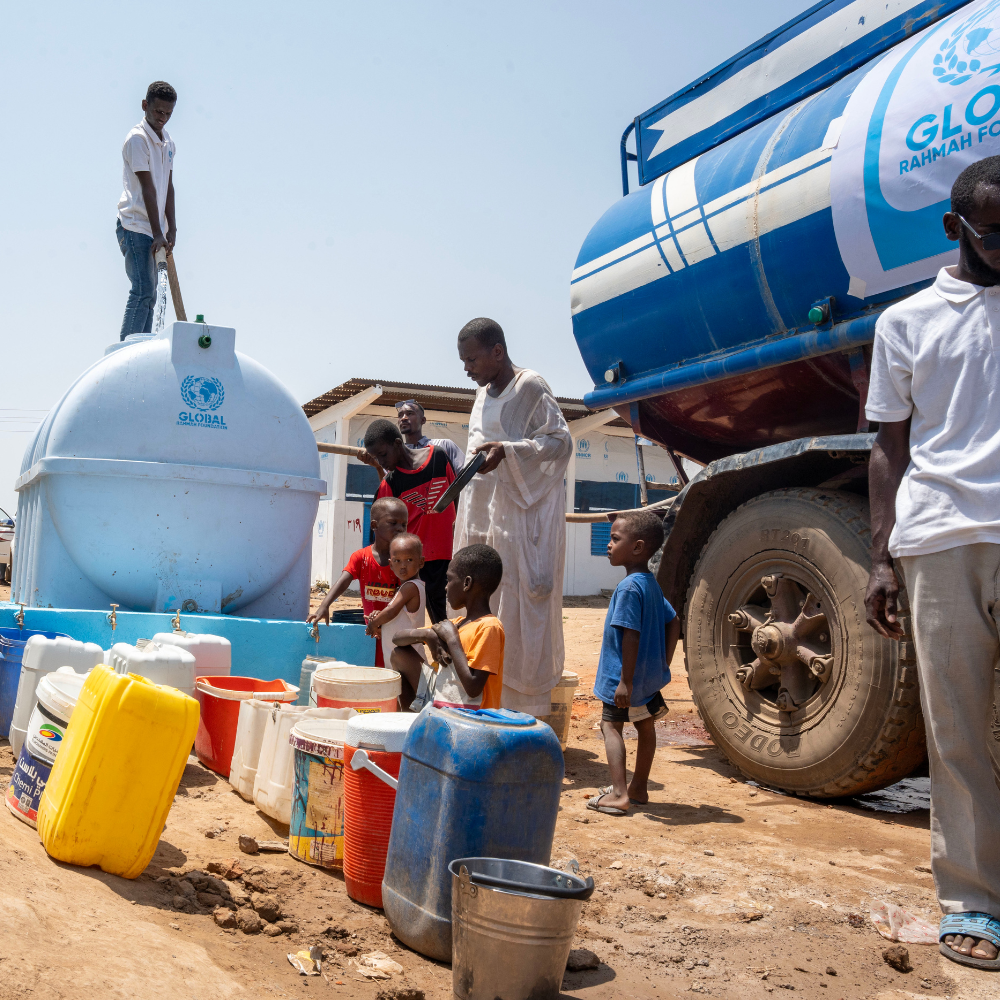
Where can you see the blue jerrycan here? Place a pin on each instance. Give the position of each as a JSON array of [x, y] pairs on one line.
[[473, 783]]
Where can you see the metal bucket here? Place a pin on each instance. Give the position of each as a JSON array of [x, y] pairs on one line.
[[512, 927]]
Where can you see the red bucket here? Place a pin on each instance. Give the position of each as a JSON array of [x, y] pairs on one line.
[[220, 699]]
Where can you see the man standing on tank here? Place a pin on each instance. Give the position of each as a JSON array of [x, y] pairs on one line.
[[935, 514], [146, 220]]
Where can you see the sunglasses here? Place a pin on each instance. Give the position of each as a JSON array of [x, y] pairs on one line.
[[991, 241]]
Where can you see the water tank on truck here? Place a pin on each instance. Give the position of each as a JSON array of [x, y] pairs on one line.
[[175, 474], [727, 307]]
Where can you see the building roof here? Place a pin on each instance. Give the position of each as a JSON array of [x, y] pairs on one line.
[[450, 399]]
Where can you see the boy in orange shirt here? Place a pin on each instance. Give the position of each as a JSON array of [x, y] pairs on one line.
[[467, 652]]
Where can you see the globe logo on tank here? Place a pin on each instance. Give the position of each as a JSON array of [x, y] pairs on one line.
[[202, 392], [973, 47]]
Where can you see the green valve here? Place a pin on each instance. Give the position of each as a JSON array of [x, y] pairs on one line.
[[204, 340], [200, 318], [817, 315]]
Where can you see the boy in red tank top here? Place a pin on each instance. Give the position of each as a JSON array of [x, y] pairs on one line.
[[371, 568]]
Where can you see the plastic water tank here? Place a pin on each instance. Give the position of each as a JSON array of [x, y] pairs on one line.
[[174, 474], [473, 783]]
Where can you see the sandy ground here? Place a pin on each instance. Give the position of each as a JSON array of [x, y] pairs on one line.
[[715, 888]]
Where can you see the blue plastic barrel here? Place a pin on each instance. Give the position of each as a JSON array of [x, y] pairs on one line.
[[480, 783], [12, 643]]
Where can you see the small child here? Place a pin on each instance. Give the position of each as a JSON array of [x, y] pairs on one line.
[[406, 609], [640, 633], [466, 669], [370, 566]]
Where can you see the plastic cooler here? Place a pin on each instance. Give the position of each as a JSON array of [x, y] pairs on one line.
[[220, 699], [369, 799]]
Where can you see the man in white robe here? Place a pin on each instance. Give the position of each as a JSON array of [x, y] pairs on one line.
[[517, 504]]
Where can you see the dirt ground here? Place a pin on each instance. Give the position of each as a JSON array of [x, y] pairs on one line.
[[717, 887]]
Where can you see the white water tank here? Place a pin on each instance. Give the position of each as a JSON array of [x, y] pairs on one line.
[[174, 474]]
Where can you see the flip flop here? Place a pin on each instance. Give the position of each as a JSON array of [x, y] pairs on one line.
[[608, 789], [595, 804], [981, 926]]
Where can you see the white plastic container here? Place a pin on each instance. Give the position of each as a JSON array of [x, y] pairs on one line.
[[250, 729], [174, 474], [309, 667], [272, 789], [57, 692], [41, 656], [213, 655], [169, 665]]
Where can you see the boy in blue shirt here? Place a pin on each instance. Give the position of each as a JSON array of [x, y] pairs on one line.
[[640, 633]]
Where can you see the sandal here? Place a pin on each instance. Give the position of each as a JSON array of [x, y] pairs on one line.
[[595, 803], [980, 926]]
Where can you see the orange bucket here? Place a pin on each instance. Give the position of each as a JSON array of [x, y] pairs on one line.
[[220, 699]]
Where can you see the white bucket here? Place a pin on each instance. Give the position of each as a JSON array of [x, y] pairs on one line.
[[57, 693], [213, 655], [42, 656], [272, 787], [249, 737], [162, 664], [366, 689]]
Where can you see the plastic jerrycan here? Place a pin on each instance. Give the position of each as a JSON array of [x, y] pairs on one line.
[[116, 775], [473, 783], [42, 656]]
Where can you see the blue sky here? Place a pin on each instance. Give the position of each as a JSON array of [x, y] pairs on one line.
[[353, 182]]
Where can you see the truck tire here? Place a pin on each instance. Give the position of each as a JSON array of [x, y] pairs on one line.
[[848, 720]]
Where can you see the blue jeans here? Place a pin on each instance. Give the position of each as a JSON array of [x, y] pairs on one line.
[[141, 270]]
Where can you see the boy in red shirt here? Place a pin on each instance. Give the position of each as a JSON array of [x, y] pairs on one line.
[[418, 477], [371, 568]]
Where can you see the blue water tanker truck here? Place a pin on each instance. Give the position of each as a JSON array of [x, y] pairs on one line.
[[727, 307]]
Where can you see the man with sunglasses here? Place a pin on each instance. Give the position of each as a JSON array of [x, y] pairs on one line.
[[934, 483]]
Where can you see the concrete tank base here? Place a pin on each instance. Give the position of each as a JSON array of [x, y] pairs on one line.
[[262, 647]]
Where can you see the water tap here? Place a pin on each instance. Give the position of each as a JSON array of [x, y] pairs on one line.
[[175, 622], [113, 617], [19, 616], [314, 631]]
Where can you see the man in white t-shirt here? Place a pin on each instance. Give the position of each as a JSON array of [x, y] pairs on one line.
[[934, 483], [146, 219]]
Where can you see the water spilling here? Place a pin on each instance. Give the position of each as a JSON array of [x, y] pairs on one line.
[[160, 312]]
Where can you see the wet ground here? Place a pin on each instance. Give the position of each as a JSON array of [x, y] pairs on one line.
[[718, 888]]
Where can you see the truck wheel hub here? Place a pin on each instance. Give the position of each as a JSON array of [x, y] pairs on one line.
[[791, 640]]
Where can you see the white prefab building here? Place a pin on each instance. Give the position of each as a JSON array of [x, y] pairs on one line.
[[603, 471]]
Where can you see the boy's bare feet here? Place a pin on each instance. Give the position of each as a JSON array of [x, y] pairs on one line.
[[607, 801]]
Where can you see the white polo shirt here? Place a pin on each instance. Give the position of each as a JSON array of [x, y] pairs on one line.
[[144, 150], [936, 357]]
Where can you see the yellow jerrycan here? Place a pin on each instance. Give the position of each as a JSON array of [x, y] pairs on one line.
[[117, 772]]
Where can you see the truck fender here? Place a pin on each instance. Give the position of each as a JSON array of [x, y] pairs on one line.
[[838, 461]]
